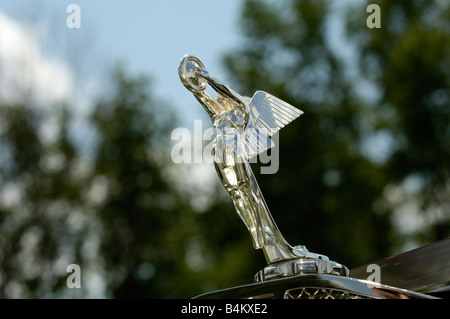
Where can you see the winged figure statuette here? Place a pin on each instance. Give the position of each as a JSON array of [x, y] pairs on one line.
[[243, 128]]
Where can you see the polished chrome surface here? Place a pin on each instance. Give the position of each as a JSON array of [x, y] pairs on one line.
[[315, 286], [420, 269], [243, 128], [301, 266]]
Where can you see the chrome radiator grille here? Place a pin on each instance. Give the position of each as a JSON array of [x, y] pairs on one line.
[[320, 293]]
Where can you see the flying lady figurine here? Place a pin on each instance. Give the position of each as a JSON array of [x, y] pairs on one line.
[[243, 129]]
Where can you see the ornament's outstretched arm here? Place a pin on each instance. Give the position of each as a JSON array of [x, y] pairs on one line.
[[196, 78], [222, 89]]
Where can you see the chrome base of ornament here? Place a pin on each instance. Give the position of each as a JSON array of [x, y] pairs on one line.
[[309, 263]]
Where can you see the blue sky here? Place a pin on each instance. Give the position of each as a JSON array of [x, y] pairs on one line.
[[149, 37]]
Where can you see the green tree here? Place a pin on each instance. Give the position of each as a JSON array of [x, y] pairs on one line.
[[143, 219], [152, 242], [107, 205], [408, 61], [329, 193], [37, 235]]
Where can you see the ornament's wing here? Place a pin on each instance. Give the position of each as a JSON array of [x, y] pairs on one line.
[[267, 115], [271, 114]]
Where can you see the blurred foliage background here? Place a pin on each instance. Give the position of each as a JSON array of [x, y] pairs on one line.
[[363, 174]]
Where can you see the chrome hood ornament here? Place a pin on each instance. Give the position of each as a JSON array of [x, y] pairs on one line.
[[243, 128]]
